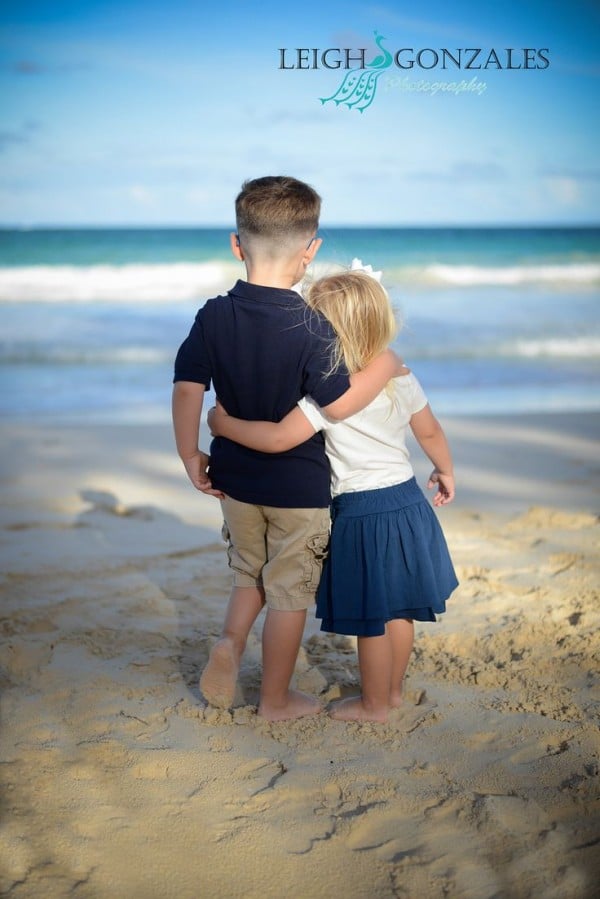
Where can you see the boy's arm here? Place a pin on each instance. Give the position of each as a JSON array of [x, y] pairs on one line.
[[366, 384], [432, 440], [265, 436], [188, 397]]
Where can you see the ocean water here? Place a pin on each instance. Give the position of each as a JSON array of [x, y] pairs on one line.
[[494, 320]]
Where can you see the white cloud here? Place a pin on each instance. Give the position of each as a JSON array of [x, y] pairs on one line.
[[141, 195], [565, 190], [464, 170]]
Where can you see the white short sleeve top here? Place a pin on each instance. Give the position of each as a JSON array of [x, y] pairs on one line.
[[368, 450]]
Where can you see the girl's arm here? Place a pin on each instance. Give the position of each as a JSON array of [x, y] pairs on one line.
[[265, 436], [366, 384], [432, 440]]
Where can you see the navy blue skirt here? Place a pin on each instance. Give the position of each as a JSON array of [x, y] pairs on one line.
[[388, 559]]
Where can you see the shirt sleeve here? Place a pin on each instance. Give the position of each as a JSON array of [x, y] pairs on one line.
[[418, 400], [192, 362], [314, 413]]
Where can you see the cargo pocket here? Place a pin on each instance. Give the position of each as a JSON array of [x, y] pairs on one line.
[[227, 539], [315, 554]]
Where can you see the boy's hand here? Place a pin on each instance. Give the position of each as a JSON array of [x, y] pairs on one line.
[[445, 485], [196, 467], [215, 418]]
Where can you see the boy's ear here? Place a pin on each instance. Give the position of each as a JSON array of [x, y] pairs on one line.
[[236, 249], [312, 250]]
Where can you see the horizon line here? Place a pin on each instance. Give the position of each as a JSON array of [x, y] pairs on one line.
[[324, 226]]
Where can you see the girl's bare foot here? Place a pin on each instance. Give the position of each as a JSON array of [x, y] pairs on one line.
[[219, 678], [353, 709], [395, 700], [297, 705]]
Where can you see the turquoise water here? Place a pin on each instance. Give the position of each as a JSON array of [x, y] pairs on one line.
[[494, 320]]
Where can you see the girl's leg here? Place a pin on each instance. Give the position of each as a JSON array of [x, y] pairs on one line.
[[219, 678], [375, 663], [401, 632]]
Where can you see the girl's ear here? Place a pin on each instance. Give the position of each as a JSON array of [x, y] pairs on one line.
[[234, 240]]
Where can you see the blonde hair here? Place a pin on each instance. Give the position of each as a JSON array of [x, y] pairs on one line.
[[360, 313]]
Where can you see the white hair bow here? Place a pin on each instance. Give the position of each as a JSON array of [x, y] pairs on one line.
[[357, 266]]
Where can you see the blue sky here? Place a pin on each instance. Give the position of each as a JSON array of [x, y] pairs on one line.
[[153, 113]]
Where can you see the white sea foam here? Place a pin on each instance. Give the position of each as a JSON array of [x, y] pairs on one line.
[[560, 347], [182, 281], [583, 347], [45, 354], [580, 347], [115, 283], [475, 276]]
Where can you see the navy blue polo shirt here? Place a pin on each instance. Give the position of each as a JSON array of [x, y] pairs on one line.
[[263, 349]]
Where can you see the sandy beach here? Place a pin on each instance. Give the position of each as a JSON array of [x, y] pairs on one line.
[[118, 783]]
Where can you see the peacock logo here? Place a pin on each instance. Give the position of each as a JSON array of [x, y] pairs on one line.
[[357, 90]]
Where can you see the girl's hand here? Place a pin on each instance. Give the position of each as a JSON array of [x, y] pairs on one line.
[[215, 418], [445, 485]]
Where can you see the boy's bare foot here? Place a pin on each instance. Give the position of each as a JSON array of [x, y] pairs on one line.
[[353, 709], [218, 680], [297, 705], [395, 700]]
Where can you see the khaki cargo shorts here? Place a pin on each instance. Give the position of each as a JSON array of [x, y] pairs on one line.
[[282, 550]]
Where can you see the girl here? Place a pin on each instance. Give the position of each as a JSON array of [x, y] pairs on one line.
[[388, 562]]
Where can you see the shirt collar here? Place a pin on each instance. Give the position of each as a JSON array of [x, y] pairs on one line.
[[264, 294]]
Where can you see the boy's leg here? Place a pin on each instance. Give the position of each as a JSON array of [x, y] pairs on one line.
[[402, 635], [244, 530], [296, 547], [375, 663], [219, 678], [282, 635]]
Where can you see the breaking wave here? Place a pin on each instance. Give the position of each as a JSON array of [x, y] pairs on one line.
[[510, 276], [115, 283], [184, 281]]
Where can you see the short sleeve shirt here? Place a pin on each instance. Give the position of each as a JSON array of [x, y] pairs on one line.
[[263, 349], [368, 450]]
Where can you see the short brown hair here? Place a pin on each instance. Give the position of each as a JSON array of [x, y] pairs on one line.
[[277, 206]]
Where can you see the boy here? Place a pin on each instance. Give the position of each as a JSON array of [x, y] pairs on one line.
[[263, 350]]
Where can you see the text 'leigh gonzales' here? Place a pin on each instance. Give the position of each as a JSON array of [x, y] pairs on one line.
[[466, 58]]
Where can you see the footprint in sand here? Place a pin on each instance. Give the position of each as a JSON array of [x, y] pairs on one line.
[[312, 814], [560, 562], [23, 662], [532, 846], [542, 517], [256, 781]]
